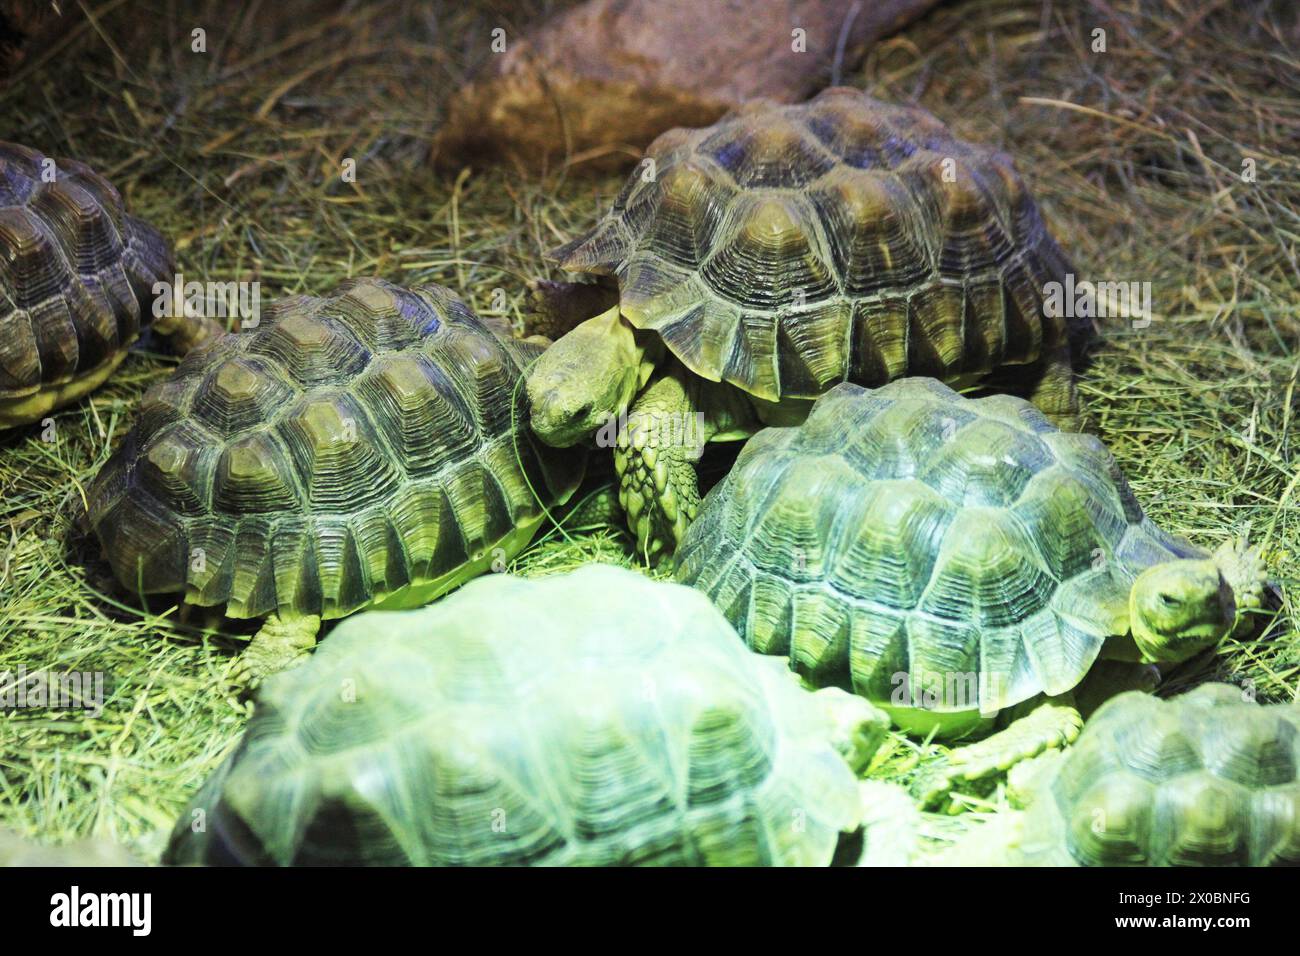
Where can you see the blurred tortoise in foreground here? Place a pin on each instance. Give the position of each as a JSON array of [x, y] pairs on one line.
[[1205, 779], [76, 283], [761, 261], [955, 561], [590, 718], [362, 449], [18, 851]]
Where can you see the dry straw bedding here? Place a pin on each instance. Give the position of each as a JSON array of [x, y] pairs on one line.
[[1136, 154]]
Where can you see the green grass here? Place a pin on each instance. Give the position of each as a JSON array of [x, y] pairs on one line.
[[1136, 155]]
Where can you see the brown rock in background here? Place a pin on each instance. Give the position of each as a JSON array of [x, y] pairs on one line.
[[599, 82]]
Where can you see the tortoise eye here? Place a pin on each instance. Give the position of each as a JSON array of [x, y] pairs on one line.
[[1168, 600]]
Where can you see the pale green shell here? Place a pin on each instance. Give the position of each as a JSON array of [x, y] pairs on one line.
[[1206, 779], [591, 718], [910, 531]]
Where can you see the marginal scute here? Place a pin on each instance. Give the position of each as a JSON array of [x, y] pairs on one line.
[[481, 510], [810, 347], [934, 332], [348, 449], [425, 521], [879, 339]]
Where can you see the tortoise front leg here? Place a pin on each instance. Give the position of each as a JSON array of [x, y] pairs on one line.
[[658, 446], [857, 727], [1048, 383], [655, 457], [185, 332], [1243, 568], [277, 646], [1055, 394], [1053, 724]]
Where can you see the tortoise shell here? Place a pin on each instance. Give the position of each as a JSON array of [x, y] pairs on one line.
[[788, 248], [16, 850], [76, 277], [905, 535], [590, 718], [351, 450], [1206, 779]]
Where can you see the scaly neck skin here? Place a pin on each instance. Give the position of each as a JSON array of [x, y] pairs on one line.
[[1121, 647], [725, 411], [649, 350], [629, 353]]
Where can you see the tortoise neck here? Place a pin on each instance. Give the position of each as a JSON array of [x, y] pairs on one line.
[[1120, 647]]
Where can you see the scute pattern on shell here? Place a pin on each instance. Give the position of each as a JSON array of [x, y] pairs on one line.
[[788, 248], [350, 446], [76, 272], [591, 718], [1206, 779], [908, 530]]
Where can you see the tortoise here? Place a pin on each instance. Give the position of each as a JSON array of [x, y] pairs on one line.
[[595, 717], [961, 563], [365, 448], [752, 265], [76, 283], [18, 851], [1208, 778]]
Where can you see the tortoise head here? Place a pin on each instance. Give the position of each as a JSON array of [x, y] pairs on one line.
[[1179, 608], [586, 378]]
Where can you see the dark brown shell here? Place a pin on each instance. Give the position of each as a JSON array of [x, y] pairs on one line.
[[788, 248], [349, 447], [76, 272]]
